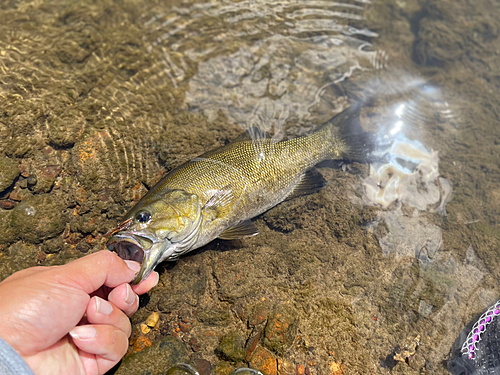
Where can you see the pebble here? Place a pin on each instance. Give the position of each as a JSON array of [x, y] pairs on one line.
[[259, 315], [285, 367], [152, 319], [252, 343], [184, 327], [145, 329], [232, 347], [193, 342], [7, 204], [18, 194], [280, 330], [202, 366], [264, 361], [141, 343]]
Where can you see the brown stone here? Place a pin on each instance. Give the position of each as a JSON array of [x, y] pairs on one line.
[[7, 204], [264, 361], [18, 194], [193, 342], [202, 366], [280, 330], [253, 341], [141, 343], [259, 315], [184, 327], [50, 171]]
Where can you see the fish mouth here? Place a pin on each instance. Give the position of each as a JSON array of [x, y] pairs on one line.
[[131, 246], [127, 249]]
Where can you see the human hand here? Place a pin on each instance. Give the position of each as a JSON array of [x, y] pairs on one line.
[[72, 319]]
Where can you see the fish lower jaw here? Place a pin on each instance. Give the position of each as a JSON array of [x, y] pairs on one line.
[[127, 250]]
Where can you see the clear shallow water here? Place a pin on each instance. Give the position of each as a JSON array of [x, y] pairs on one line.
[[380, 272]]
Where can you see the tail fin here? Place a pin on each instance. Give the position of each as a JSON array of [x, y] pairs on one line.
[[346, 127]]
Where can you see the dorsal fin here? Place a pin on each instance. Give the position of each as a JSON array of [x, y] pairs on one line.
[[252, 134], [311, 182], [243, 229]]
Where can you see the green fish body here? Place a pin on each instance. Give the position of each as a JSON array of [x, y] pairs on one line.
[[214, 195]]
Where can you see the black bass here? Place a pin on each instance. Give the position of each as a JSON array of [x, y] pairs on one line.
[[214, 195]]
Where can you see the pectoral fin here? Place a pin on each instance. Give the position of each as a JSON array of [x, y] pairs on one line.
[[244, 229], [311, 182]]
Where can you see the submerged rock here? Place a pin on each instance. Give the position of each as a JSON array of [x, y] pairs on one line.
[[232, 347], [37, 218], [9, 171], [154, 359]]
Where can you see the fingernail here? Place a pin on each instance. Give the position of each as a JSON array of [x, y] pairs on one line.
[[130, 298], [103, 306], [134, 266], [83, 332], [157, 279]]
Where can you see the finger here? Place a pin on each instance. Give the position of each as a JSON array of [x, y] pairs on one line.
[[100, 311], [146, 285], [104, 341], [124, 298], [98, 269]]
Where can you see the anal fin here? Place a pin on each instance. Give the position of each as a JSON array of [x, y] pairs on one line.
[[311, 182], [243, 229]]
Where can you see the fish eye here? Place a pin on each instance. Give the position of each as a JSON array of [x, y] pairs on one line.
[[143, 217]]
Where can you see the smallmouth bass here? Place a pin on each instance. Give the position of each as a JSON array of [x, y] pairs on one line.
[[216, 194]]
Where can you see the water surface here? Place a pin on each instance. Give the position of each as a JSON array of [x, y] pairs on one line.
[[383, 271]]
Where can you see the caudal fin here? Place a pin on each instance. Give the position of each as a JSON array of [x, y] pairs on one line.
[[346, 127]]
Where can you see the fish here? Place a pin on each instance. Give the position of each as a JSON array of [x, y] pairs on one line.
[[216, 194]]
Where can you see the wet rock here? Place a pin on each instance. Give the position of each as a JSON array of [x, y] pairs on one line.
[[259, 315], [245, 371], [156, 358], [286, 367], [9, 171], [264, 361], [8, 235], [37, 218], [18, 194], [202, 366], [64, 130], [252, 343], [152, 319], [45, 178], [195, 345], [53, 245], [31, 180], [20, 255], [7, 204], [232, 347], [182, 369], [141, 343], [185, 286], [184, 327], [223, 368], [280, 329], [216, 317]]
